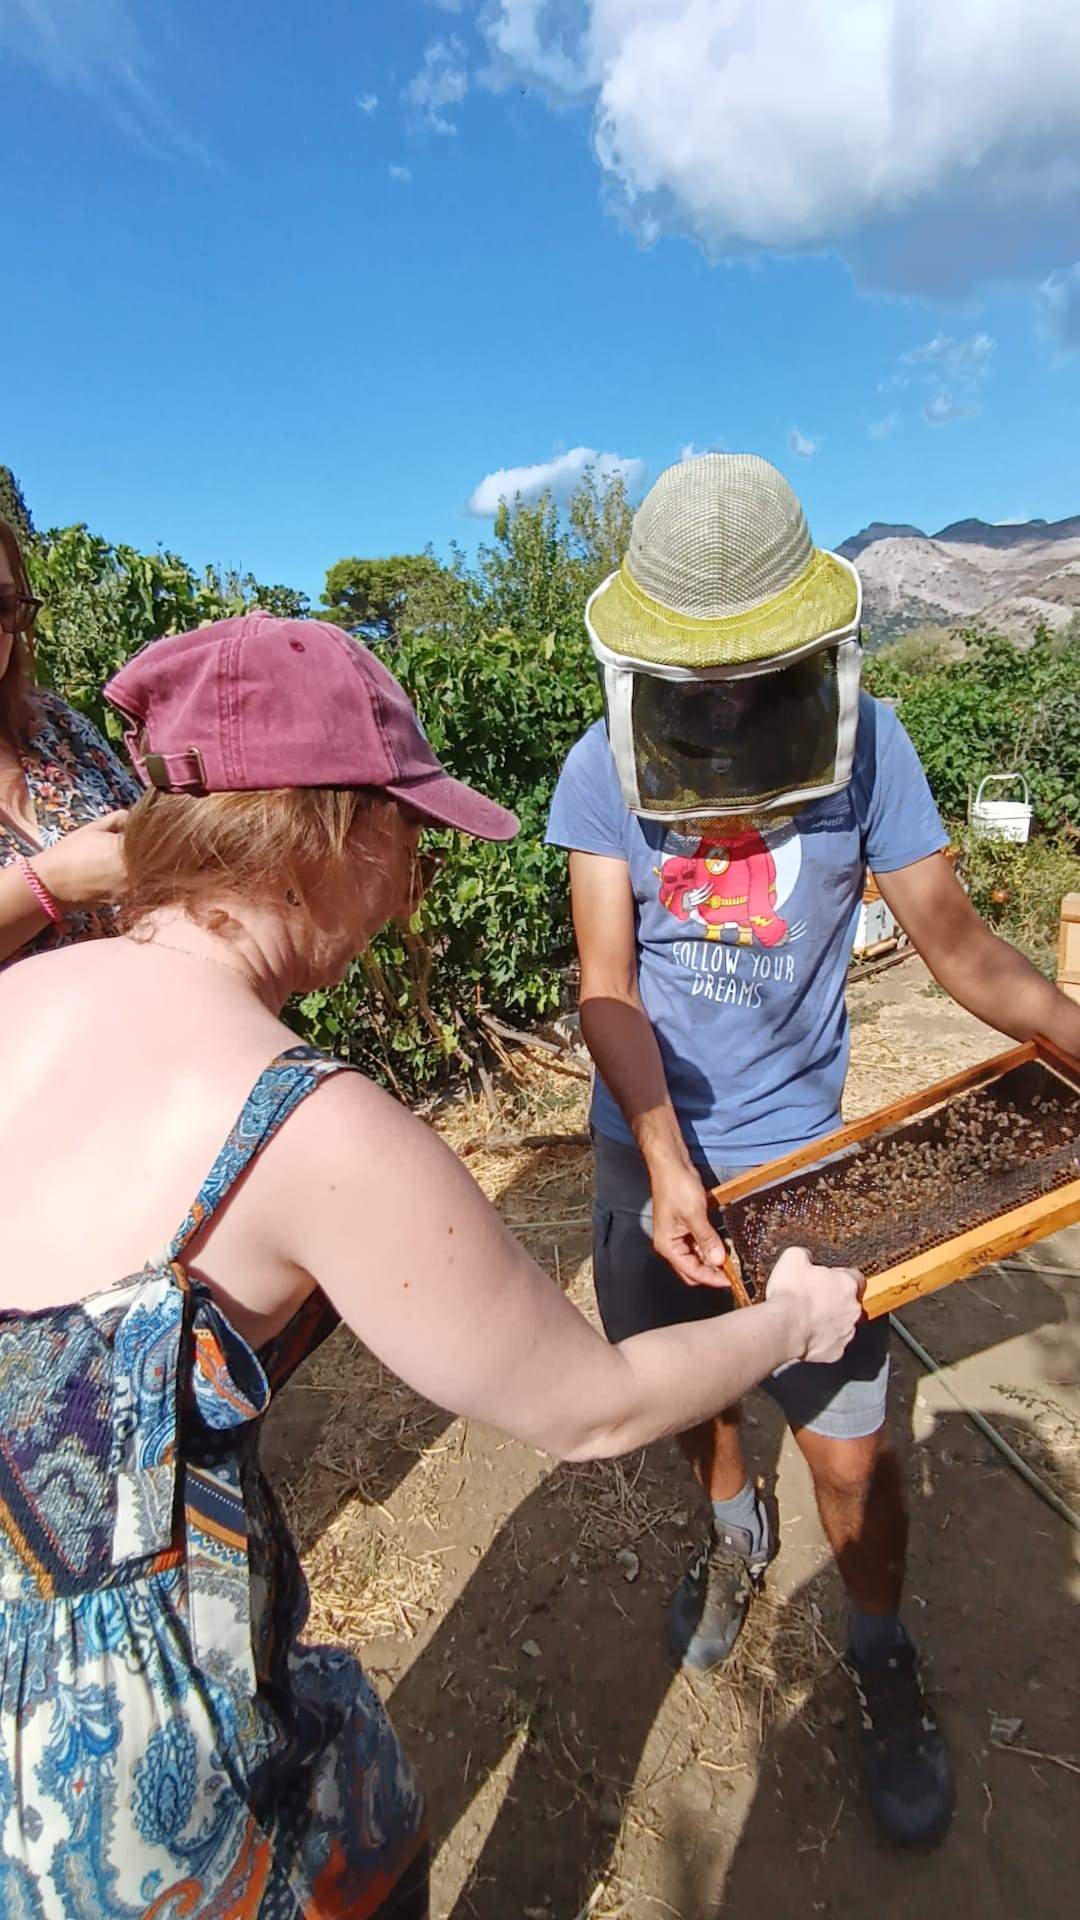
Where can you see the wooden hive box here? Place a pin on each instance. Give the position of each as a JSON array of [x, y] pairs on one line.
[[943, 1230], [1068, 969]]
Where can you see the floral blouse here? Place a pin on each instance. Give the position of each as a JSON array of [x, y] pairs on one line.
[[73, 777]]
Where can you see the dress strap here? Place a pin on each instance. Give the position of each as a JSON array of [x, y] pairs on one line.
[[278, 1090]]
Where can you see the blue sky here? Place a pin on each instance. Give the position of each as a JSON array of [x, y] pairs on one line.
[[287, 282]]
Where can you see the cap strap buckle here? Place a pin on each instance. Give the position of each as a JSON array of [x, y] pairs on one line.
[[176, 772]]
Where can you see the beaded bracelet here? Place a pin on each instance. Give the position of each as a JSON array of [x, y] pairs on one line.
[[40, 891]]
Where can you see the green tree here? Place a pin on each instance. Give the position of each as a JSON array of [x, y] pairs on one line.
[[601, 516], [285, 602], [382, 598], [504, 690], [13, 507]]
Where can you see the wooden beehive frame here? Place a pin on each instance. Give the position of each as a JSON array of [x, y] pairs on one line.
[[965, 1253], [1068, 970]]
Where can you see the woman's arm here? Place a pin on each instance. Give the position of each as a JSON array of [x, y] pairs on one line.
[[419, 1264], [21, 918], [84, 869]]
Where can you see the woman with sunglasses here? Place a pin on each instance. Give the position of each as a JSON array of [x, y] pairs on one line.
[[62, 795]]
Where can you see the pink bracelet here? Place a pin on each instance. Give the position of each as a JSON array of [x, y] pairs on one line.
[[40, 891]]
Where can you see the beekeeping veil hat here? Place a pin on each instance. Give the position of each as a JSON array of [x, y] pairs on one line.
[[729, 647]]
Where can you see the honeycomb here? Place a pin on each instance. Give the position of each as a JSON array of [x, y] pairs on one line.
[[920, 1182]]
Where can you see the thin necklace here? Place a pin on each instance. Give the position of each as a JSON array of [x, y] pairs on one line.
[[211, 959]]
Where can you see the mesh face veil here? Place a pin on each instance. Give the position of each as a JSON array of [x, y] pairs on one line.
[[729, 648], [748, 737]]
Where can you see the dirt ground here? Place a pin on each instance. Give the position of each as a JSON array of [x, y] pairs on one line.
[[512, 1611]]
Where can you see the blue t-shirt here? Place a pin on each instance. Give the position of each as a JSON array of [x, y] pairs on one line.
[[744, 941]]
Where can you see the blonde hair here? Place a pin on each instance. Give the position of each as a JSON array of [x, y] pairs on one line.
[[193, 851]]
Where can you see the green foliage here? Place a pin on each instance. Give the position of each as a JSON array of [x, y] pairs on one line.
[[379, 599], [495, 659], [540, 572], [503, 696], [13, 507], [285, 602], [601, 516], [923, 650], [997, 707], [1019, 890], [494, 655], [103, 602]]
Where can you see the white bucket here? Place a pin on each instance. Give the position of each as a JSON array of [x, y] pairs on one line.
[[874, 926], [1001, 819]]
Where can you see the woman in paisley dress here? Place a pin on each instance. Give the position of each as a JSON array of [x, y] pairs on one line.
[[62, 795], [170, 1747]]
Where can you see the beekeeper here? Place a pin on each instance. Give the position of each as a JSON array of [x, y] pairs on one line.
[[720, 821]]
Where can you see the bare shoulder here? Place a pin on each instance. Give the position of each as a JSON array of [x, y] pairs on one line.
[[353, 1128]]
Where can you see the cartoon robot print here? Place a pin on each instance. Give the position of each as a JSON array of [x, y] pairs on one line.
[[728, 885]]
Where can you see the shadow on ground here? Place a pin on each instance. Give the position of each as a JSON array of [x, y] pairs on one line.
[[991, 1595], [547, 1675]]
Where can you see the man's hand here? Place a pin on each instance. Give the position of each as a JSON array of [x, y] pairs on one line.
[[683, 1234]]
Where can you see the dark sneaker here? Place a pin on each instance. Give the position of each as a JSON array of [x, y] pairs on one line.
[[906, 1769], [711, 1600]]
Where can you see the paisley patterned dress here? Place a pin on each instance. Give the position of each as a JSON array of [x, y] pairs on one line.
[[169, 1749], [73, 777]]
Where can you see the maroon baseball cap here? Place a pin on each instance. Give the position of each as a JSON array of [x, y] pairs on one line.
[[255, 703]]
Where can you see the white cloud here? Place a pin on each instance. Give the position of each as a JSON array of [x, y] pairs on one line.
[[690, 452], [96, 47], [1059, 304], [403, 175], [447, 6], [558, 476], [951, 372], [442, 81], [367, 103], [91, 44], [934, 146], [943, 407], [881, 429], [801, 444], [541, 41], [964, 362]]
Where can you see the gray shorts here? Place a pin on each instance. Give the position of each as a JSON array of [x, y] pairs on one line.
[[637, 1290]]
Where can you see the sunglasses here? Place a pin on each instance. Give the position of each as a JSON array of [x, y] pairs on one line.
[[18, 611]]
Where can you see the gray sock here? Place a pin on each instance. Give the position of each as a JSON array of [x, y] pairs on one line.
[[873, 1634], [747, 1512]]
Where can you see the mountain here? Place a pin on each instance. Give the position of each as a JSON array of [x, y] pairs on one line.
[[879, 530], [1006, 578]]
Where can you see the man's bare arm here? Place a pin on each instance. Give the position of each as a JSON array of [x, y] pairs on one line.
[[981, 971], [620, 1037]]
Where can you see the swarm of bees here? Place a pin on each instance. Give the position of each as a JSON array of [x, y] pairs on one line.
[[910, 1188]]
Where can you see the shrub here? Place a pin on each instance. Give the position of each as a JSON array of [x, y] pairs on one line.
[[1019, 890], [494, 655], [997, 707], [102, 603], [496, 661], [502, 710]]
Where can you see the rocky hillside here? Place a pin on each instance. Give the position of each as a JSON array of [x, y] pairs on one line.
[[970, 574]]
